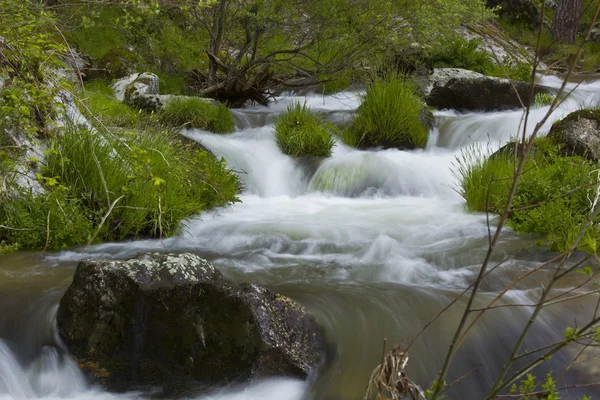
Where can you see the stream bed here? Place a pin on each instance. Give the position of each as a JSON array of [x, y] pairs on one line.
[[373, 243]]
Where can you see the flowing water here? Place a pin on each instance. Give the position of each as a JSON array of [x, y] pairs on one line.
[[373, 243]]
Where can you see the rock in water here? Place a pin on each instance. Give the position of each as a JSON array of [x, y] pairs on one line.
[[173, 321], [465, 90]]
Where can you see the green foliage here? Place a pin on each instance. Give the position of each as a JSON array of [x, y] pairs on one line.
[[484, 182], [299, 132], [116, 63], [389, 116], [28, 53], [154, 180], [52, 221], [460, 52], [552, 196], [543, 99], [102, 105], [198, 113]]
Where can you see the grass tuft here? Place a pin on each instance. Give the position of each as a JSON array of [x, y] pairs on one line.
[[390, 116], [197, 113], [299, 132]]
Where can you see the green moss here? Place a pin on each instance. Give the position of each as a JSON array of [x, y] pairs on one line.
[[339, 179], [552, 197], [116, 63], [197, 113], [299, 132], [389, 116]]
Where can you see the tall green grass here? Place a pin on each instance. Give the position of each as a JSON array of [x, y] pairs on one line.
[[153, 180], [552, 198], [197, 113], [299, 132], [484, 182], [389, 116], [102, 104]]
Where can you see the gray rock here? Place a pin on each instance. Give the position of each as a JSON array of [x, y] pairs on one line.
[[173, 321], [440, 76], [468, 91], [141, 90], [578, 133]]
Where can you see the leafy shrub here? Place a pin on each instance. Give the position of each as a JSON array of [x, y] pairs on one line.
[[28, 54], [153, 180], [389, 116], [552, 196], [299, 132], [198, 113]]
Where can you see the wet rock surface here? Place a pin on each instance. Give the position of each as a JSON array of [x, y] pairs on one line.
[[174, 322]]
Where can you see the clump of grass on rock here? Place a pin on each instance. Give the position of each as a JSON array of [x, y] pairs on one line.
[[299, 132], [194, 112], [391, 116]]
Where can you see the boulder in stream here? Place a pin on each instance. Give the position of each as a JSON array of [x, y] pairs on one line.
[[175, 322], [578, 133], [465, 90]]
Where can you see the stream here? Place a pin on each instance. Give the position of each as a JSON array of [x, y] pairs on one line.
[[373, 243]]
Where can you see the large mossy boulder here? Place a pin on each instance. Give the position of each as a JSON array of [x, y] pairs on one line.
[[115, 64], [174, 322], [468, 91], [578, 134]]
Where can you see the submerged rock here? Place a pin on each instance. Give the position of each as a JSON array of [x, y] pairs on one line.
[[578, 133], [174, 322], [468, 91]]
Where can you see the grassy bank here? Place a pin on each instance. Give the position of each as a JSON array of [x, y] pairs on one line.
[[552, 197]]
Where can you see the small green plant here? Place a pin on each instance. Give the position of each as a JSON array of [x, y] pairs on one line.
[[543, 99], [198, 113], [389, 116], [299, 132]]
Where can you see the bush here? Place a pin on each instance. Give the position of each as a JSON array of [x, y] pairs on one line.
[[552, 196], [299, 132], [198, 113], [389, 116], [154, 180]]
